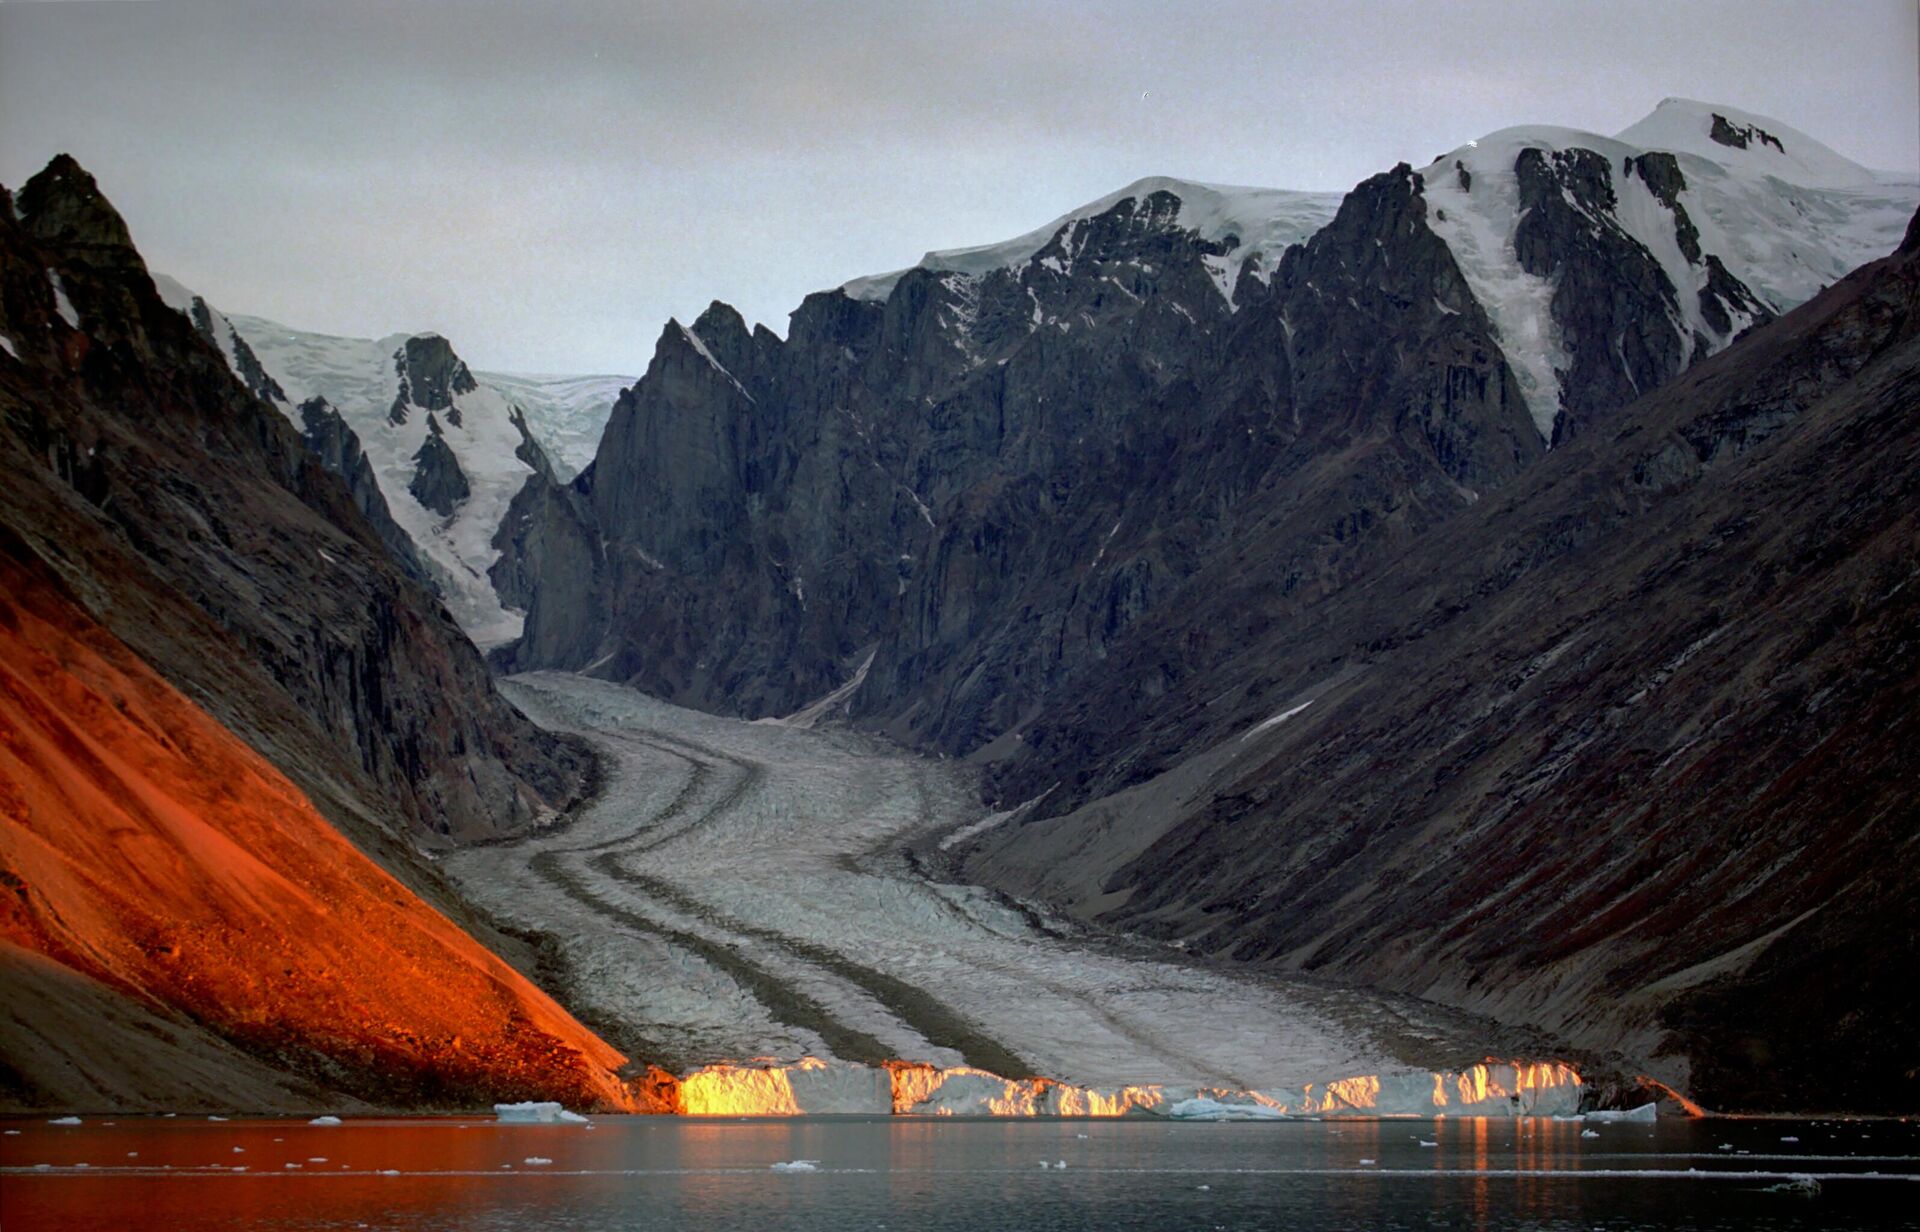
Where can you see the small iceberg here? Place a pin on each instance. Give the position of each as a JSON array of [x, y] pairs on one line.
[[324, 1120], [536, 1113], [538, 1161], [798, 1165], [65, 1120], [1644, 1114]]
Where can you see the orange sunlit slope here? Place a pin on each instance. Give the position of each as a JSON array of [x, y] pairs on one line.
[[145, 845]]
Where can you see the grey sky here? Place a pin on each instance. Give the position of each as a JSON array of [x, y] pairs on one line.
[[546, 184]]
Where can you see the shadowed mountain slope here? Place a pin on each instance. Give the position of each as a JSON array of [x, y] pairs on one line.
[[169, 497], [1627, 752]]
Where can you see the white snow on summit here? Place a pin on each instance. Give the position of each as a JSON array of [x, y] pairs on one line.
[[1266, 220], [1785, 214], [360, 378], [1684, 126], [1785, 221]]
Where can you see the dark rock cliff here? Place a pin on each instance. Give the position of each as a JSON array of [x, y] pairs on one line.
[[984, 480], [430, 376], [199, 528], [438, 482]]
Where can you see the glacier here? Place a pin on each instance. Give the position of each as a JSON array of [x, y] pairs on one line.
[[752, 905]]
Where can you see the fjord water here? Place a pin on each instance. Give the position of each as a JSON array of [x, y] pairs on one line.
[[661, 1172]]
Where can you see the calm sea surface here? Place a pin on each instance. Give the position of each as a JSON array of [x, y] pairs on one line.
[[628, 1173]]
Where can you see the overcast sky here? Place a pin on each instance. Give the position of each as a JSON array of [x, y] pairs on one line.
[[547, 183]]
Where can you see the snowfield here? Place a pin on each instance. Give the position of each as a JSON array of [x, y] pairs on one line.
[[746, 891]]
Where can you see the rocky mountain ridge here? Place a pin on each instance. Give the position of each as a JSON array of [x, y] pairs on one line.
[[978, 472]]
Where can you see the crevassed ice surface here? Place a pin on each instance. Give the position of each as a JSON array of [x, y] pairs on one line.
[[566, 413], [743, 891]]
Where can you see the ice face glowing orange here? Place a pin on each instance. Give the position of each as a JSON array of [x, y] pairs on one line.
[[909, 1088], [148, 847]]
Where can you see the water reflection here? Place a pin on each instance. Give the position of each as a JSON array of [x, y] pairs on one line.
[[950, 1174]]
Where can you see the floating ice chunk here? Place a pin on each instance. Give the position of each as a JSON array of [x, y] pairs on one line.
[[1368, 1163], [1800, 1186], [536, 1113], [1589, 1133], [216, 1118], [1789, 1139], [239, 1150], [1644, 1113], [324, 1120], [538, 1161], [1424, 1142], [13, 1133], [316, 1159], [798, 1165], [66, 1120], [390, 1172]]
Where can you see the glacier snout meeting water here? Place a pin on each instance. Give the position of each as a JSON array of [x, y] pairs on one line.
[[749, 905]]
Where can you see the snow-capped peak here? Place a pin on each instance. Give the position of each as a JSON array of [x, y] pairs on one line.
[[1784, 215], [1262, 219], [1745, 141], [450, 496]]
